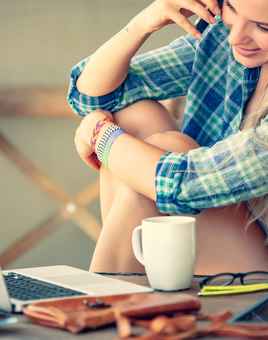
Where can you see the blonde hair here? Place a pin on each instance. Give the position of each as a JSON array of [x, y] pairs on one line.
[[258, 206]]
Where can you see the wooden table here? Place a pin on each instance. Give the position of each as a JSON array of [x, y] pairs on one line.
[[26, 330]]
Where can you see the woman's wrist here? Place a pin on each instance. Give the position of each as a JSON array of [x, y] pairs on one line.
[[108, 134], [101, 134], [97, 130], [136, 26]]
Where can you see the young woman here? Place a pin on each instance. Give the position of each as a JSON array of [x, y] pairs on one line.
[[216, 167]]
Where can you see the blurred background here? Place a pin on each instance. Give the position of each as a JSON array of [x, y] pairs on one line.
[[42, 178]]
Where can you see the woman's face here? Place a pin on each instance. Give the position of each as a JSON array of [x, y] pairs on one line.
[[248, 23]]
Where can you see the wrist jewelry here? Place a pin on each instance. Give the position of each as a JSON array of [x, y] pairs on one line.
[[97, 130], [106, 141], [109, 145]]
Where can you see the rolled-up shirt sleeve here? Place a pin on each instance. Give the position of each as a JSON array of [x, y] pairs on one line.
[[231, 171], [160, 74]]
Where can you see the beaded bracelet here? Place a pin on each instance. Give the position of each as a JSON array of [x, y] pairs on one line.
[[101, 142], [109, 144], [106, 141], [97, 130]]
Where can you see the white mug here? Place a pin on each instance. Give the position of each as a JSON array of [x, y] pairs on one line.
[[166, 246]]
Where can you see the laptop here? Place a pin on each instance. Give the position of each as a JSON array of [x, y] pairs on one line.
[[21, 287]]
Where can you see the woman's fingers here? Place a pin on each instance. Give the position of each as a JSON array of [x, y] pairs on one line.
[[83, 136], [185, 24], [80, 146], [86, 154], [200, 9], [93, 162], [213, 6], [161, 13], [205, 10], [83, 149]]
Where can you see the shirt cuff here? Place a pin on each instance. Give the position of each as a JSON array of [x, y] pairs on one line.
[[170, 172], [83, 104]]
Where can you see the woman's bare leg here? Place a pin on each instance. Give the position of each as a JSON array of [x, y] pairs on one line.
[[226, 243], [113, 251], [142, 119], [223, 244]]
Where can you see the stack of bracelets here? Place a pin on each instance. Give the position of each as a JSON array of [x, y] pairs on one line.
[[104, 144]]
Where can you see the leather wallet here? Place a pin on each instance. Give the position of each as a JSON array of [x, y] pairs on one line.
[[80, 313]]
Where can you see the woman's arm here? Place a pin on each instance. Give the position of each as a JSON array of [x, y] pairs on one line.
[[138, 168], [160, 74], [231, 171], [107, 68]]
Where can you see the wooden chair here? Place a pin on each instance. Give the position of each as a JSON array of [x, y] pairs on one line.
[[40, 102]]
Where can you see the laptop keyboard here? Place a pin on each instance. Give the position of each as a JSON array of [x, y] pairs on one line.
[[26, 288]]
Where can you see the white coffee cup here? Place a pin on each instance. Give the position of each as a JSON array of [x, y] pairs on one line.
[[166, 246]]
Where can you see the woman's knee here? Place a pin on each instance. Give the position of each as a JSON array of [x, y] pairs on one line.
[[145, 118], [170, 141], [174, 141]]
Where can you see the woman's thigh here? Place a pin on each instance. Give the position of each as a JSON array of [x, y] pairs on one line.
[[223, 238], [225, 241], [145, 118], [141, 119]]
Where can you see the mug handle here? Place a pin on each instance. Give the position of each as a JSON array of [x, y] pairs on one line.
[[137, 244]]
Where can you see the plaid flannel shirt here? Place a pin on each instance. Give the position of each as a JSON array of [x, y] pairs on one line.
[[231, 165]]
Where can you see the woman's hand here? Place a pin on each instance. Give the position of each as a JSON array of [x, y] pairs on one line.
[[164, 12], [84, 134]]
